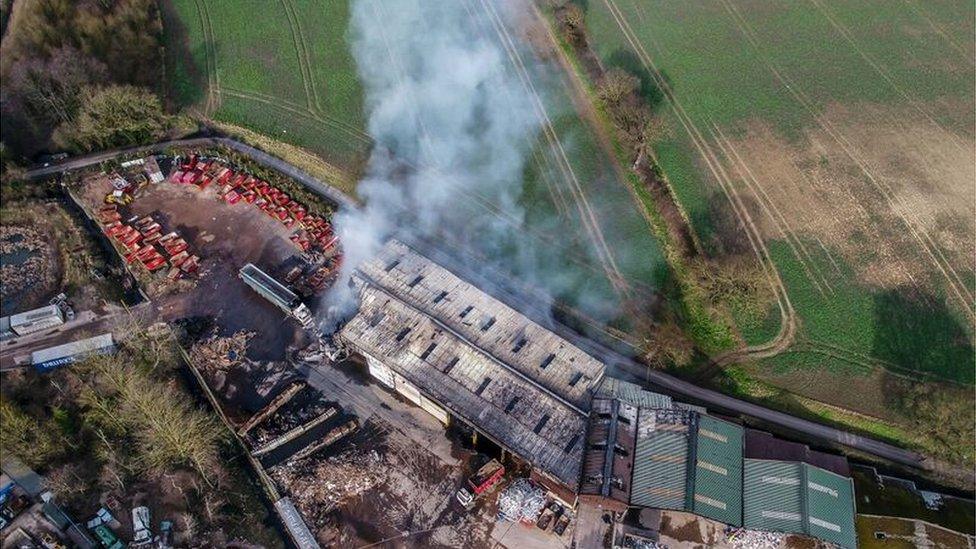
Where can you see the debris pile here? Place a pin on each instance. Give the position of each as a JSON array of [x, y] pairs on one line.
[[521, 501], [303, 408], [221, 352], [319, 486], [640, 542], [753, 539], [24, 263]]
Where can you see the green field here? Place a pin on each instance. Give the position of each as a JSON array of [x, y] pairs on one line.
[[846, 129], [282, 69]]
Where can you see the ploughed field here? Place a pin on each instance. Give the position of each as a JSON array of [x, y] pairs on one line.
[[840, 136]]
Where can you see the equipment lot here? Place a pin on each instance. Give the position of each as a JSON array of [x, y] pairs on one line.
[[226, 237]]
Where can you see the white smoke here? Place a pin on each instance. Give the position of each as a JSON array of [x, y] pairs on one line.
[[453, 127]]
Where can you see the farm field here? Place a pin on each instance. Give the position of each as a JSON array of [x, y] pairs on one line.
[[839, 137], [289, 74], [281, 69]]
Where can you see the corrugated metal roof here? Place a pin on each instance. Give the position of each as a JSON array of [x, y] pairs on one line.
[[830, 507], [773, 496], [517, 412], [795, 497], [718, 470], [661, 459], [34, 315], [632, 394], [490, 324]]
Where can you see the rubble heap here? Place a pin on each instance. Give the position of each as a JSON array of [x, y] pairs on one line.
[[521, 501], [318, 487], [754, 539], [221, 352]]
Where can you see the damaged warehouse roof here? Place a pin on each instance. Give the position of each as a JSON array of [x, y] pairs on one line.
[[516, 381]]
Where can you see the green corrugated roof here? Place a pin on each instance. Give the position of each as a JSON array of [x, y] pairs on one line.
[[661, 460], [718, 471], [799, 498], [632, 393], [830, 507], [773, 496]]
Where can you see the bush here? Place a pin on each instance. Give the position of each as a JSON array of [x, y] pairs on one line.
[[114, 116]]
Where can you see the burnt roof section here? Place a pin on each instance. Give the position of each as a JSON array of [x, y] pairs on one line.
[[504, 333], [516, 411], [763, 445], [608, 459]]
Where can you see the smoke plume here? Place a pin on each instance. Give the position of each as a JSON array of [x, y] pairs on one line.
[[453, 126]]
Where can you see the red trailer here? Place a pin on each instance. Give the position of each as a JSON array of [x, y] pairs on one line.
[[176, 176], [190, 265], [487, 476], [332, 242], [155, 263], [224, 175], [191, 162], [179, 258], [249, 196], [232, 197]]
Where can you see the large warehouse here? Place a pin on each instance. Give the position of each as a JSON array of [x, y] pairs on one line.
[[463, 355], [453, 349]]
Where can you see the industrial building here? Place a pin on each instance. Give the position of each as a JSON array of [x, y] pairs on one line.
[[277, 293], [48, 359], [463, 355]]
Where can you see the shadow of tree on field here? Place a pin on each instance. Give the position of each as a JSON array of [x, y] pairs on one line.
[[179, 59], [919, 333], [627, 60]]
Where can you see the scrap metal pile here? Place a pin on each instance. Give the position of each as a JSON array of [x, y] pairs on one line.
[[318, 486], [34, 269], [304, 407], [521, 501], [221, 352], [753, 539]]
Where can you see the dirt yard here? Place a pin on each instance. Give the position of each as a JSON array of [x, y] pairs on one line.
[[226, 237]]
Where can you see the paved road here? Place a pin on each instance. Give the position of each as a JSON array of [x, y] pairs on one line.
[[621, 365], [261, 157]]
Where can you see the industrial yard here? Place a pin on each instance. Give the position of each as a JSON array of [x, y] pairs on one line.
[[437, 414]]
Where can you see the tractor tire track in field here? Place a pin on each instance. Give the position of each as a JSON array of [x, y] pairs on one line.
[[276, 103], [788, 321], [290, 4], [586, 212], [539, 158], [926, 243], [425, 141], [332, 122], [772, 212], [210, 55], [300, 53], [804, 345], [886, 75], [576, 89], [920, 11]]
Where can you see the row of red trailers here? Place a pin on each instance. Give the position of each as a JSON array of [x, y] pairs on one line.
[[143, 240], [233, 187]]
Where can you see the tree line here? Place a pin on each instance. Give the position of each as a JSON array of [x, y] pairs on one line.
[[79, 76]]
